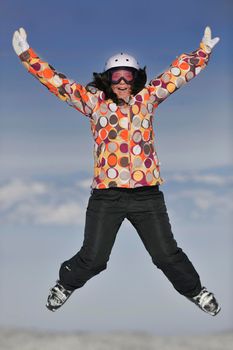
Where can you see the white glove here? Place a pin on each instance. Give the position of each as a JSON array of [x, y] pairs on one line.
[[207, 41], [19, 41]]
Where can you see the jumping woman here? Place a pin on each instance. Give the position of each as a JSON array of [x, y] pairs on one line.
[[126, 184]]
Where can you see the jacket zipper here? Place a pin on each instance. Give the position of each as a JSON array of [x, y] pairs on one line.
[[129, 128]]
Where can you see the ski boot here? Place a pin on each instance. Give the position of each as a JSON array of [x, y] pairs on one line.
[[57, 297], [206, 302]]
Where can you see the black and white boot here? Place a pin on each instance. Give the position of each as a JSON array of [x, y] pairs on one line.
[[57, 297], [206, 301]]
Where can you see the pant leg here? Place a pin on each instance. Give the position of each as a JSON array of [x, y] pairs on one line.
[[103, 220], [150, 219]]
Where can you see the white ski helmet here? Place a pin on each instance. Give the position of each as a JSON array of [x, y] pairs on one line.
[[121, 60]]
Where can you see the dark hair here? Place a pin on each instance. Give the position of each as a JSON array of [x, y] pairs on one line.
[[101, 81]]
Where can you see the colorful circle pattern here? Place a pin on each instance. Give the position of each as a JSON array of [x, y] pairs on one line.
[[124, 153]]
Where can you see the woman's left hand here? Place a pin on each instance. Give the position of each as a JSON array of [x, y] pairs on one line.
[[208, 41]]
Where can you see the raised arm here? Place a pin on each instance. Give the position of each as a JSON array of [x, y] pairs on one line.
[[65, 89], [182, 69]]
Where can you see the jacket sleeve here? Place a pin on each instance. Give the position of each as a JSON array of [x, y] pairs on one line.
[[65, 89], [184, 68]]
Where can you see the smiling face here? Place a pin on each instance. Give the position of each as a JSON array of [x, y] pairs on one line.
[[122, 80], [122, 90]]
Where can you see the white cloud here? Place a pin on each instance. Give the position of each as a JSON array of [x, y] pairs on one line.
[[39, 203], [202, 195], [18, 190], [69, 213], [204, 191], [205, 199], [209, 179]]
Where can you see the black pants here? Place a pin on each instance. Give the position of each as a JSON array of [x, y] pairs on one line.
[[145, 208]]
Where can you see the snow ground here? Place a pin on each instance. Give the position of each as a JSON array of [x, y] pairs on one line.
[[31, 340]]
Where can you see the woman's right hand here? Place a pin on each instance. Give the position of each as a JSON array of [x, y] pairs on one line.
[[19, 41]]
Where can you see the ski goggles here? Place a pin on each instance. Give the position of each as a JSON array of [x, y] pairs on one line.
[[125, 74]]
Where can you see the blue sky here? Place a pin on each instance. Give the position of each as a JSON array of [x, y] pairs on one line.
[[46, 165]]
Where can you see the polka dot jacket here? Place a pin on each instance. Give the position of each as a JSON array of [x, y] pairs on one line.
[[124, 152]]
